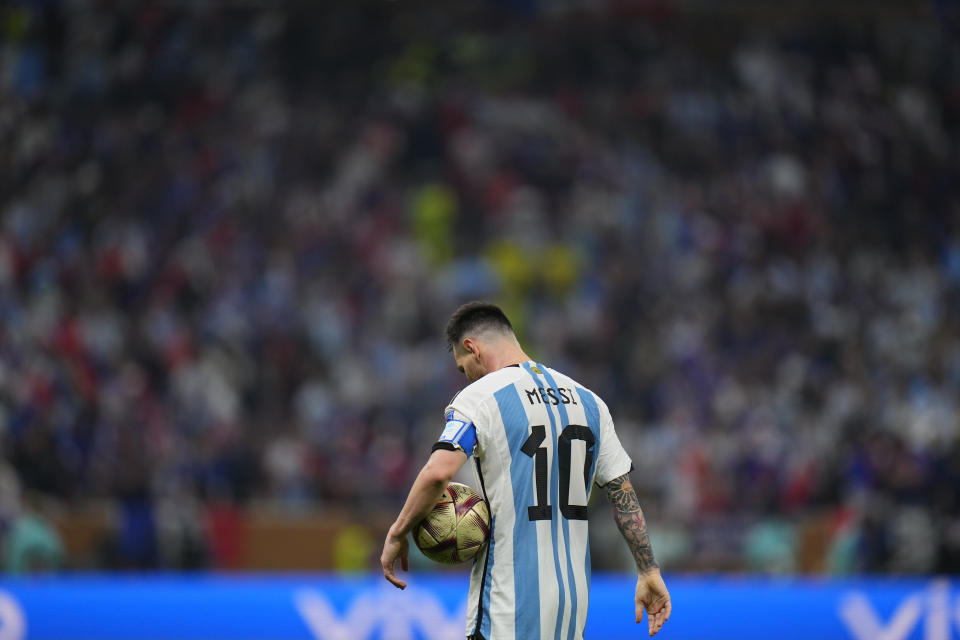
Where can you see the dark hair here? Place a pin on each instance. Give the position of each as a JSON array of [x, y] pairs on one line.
[[472, 316]]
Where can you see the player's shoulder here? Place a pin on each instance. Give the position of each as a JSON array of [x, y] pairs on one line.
[[559, 376], [564, 380], [477, 393]]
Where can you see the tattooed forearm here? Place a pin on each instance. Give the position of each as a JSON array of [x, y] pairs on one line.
[[629, 517]]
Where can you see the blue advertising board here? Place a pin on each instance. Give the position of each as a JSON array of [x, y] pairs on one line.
[[324, 607]]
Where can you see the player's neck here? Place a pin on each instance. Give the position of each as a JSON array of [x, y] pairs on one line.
[[509, 356]]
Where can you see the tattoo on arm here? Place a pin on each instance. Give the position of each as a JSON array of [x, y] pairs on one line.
[[629, 517]]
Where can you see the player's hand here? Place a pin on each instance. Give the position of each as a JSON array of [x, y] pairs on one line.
[[395, 548], [653, 596]]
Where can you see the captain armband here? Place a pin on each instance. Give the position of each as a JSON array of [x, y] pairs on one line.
[[457, 434]]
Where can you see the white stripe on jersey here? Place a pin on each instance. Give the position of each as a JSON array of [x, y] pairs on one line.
[[502, 623], [579, 495]]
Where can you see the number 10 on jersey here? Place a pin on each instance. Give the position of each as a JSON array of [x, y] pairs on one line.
[[532, 447]]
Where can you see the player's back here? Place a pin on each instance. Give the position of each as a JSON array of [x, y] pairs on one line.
[[542, 440]]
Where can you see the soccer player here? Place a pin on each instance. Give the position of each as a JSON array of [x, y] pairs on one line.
[[539, 441]]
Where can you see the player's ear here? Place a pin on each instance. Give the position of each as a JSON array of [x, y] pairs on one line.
[[469, 346]]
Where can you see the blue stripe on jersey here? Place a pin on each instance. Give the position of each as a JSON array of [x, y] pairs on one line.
[[564, 420], [592, 412], [554, 498], [485, 596], [526, 575]]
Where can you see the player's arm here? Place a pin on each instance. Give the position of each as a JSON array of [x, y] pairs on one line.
[[427, 489], [651, 593]]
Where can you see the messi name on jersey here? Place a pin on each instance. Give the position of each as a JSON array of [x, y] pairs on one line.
[[549, 395]]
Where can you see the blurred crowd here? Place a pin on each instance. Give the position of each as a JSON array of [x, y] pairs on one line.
[[231, 234]]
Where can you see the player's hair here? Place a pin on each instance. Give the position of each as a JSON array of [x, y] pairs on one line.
[[474, 316]]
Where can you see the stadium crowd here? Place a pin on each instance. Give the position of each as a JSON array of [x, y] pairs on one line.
[[231, 235]]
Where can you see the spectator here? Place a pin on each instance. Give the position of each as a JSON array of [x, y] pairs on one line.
[[31, 544], [225, 231]]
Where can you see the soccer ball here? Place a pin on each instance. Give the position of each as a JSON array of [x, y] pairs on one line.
[[457, 527]]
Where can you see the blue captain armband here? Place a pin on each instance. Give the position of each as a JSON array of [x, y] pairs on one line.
[[458, 434]]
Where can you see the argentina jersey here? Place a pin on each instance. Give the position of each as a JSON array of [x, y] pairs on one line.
[[539, 442]]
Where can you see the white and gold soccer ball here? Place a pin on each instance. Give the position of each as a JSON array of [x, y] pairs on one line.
[[457, 527]]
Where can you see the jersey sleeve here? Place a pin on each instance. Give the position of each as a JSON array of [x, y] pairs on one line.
[[612, 460], [469, 406], [458, 433]]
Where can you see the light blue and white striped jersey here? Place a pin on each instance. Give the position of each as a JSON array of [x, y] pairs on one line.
[[540, 442]]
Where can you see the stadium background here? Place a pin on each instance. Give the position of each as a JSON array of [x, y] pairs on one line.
[[232, 232]]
